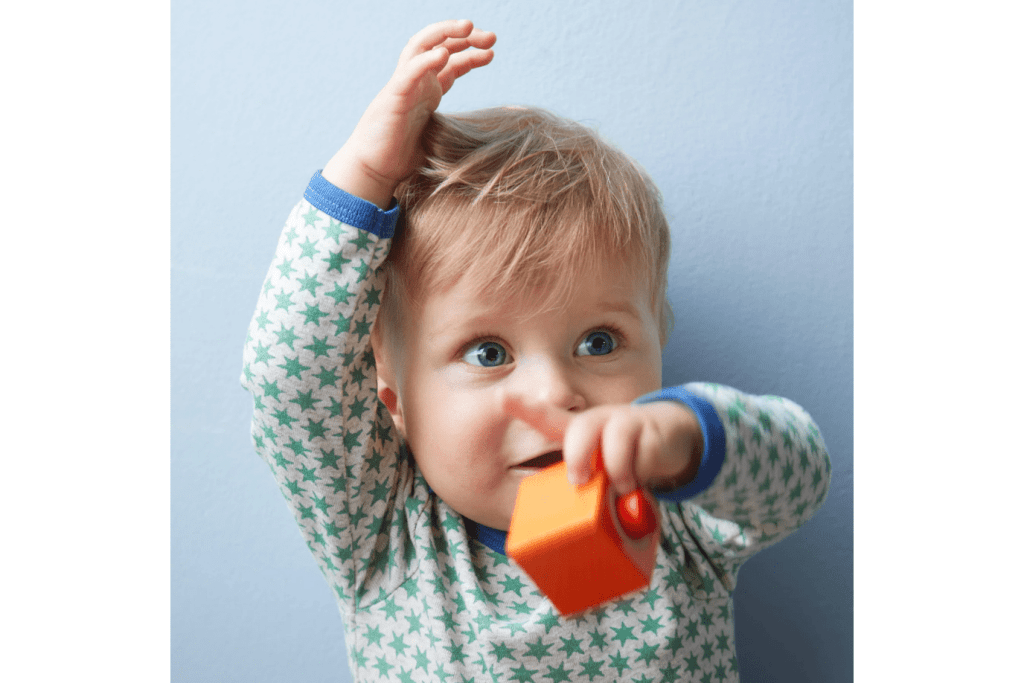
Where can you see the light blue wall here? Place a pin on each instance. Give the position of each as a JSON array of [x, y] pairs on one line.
[[742, 113]]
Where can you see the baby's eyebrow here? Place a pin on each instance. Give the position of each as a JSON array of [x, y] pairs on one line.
[[623, 307], [450, 327], [481, 320]]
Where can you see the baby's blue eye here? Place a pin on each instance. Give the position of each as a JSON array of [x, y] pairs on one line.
[[486, 354], [596, 344]]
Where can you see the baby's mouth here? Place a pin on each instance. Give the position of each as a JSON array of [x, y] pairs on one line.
[[542, 461]]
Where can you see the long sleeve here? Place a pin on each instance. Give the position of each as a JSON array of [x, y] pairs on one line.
[[309, 367], [765, 471]]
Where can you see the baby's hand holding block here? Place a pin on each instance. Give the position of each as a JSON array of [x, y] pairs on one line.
[[581, 547]]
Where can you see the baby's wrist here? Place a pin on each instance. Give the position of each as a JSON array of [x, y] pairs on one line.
[[683, 444], [345, 171]]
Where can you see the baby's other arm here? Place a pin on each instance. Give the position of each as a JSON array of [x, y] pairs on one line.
[[748, 471], [772, 474]]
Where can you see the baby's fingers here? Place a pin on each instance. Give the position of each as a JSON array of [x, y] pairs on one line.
[[462, 63], [582, 438], [620, 441], [435, 35], [406, 79], [478, 39], [619, 432]]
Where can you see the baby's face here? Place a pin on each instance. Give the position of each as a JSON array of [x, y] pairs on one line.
[[463, 354]]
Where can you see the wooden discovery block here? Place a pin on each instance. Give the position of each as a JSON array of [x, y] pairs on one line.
[[572, 544]]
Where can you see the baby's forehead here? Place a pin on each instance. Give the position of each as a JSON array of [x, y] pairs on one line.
[[607, 287]]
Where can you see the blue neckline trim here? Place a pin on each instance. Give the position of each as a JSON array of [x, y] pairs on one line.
[[349, 209], [490, 537]]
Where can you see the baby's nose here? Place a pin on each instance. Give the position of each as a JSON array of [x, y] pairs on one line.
[[550, 385], [545, 418]]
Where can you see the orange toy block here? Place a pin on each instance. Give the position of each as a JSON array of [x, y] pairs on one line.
[[572, 543]]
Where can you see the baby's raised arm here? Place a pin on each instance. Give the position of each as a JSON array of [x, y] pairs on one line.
[[385, 146], [308, 361]]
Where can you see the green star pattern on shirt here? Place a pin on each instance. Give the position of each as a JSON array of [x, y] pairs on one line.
[[422, 600]]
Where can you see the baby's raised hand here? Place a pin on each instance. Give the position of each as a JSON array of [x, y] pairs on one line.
[[385, 146], [653, 445]]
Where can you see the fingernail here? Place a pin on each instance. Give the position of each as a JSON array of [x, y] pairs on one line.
[[577, 478]]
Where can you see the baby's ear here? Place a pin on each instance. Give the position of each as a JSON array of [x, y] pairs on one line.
[[387, 390]]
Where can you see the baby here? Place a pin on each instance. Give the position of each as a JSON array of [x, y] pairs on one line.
[[408, 371]]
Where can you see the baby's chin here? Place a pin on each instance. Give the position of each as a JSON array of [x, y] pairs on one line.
[[499, 519], [492, 509]]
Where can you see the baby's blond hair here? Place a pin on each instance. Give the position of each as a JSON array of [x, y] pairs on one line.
[[522, 201]]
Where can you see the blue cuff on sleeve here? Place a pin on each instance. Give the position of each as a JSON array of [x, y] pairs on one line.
[[713, 458], [349, 209]]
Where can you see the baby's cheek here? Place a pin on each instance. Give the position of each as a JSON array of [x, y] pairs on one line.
[[475, 420], [644, 379]]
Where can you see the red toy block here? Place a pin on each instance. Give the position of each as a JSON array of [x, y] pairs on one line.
[[573, 542]]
